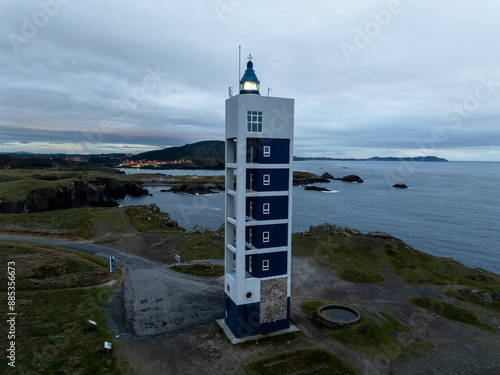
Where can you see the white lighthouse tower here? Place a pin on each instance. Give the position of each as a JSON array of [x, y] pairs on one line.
[[259, 156]]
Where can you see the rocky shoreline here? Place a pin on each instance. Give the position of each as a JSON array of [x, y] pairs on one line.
[[101, 192]]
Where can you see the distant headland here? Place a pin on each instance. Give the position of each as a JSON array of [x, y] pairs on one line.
[[199, 155], [376, 158]]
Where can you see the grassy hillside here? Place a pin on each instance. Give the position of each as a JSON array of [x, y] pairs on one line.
[[53, 334], [205, 154]]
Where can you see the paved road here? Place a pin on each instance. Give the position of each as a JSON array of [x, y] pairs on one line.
[[152, 299]]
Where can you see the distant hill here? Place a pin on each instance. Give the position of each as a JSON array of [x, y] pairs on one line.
[[205, 154], [376, 158]]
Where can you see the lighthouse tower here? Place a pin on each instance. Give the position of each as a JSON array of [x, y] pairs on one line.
[[259, 144]]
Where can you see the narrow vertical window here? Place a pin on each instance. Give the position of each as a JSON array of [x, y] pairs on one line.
[[265, 265], [250, 236], [267, 151], [267, 179], [250, 263], [250, 213], [266, 208], [251, 181], [265, 237]]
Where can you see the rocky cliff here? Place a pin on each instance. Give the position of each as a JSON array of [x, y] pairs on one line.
[[101, 192]]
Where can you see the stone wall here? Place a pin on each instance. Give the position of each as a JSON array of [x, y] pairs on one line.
[[273, 300]]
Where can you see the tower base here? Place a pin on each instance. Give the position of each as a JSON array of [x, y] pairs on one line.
[[238, 340]]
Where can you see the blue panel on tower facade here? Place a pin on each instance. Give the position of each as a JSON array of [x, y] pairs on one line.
[[268, 151], [266, 264], [244, 320], [267, 208], [264, 236], [267, 179]]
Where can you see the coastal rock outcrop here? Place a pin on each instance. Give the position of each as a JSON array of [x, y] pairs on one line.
[[101, 192], [382, 235], [400, 186], [308, 180], [196, 189], [199, 229], [351, 178], [335, 229], [316, 188], [328, 176], [483, 298]]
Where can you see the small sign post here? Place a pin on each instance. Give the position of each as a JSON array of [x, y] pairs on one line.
[[111, 264], [107, 346], [177, 260]]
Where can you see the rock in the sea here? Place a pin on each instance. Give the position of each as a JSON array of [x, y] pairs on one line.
[[327, 175], [400, 186], [300, 181], [316, 188], [351, 178]]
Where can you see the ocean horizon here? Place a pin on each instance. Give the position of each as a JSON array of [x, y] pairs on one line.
[[450, 209]]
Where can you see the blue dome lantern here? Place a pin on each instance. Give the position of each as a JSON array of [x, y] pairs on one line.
[[249, 83]]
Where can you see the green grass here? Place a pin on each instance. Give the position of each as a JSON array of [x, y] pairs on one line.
[[41, 267], [293, 362], [200, 269], [199, 246], [53, 335], [112, 219], [146, 220], [376, 339], [191, 246], [75, 223], [361, 276], [449, 311], [361, 258]]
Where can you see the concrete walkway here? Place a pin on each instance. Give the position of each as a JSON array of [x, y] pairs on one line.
[[152, 299]]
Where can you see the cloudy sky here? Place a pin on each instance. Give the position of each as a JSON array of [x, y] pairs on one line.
[[369, 78]]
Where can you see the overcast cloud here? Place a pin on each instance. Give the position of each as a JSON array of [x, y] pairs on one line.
[[374, 78]]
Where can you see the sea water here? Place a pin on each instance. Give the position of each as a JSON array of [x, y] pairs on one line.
[[449, 209]]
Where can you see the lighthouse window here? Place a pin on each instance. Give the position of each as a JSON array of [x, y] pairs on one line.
[[254, 121], [266, 209], [267, 151], [265, 265], [265, 237], [267, 179]]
